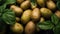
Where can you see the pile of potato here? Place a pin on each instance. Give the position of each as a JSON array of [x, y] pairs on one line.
[[28, 15]]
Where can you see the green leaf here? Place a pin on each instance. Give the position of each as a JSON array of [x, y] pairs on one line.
[[57, 29], [3, 6], [58, 5], [33, 3], [10, 1], [2, 2], [45, 25], [8, 17], [54, 19]]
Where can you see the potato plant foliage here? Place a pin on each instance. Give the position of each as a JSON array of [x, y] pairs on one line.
[[7, 16], [27, 15]]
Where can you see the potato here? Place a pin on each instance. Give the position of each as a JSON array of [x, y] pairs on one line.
[[41, 3], [17, 19], [33, 6], [26, 16], [51, 5], [57, 13], [18, 11], [25, 5], [19, 1], [17, 28], [46, 12], [42, 19], [30, 28], [35, 14]]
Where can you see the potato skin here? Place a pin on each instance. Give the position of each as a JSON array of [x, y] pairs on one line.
[[41, 3], [26, 16], [25, 5], [46, 12], [30, 27], [18, 11], [19, 1], [57, 13], [33, 6], [35, 14], [17, 19], [17, 28], [51, 5], [42, 19]]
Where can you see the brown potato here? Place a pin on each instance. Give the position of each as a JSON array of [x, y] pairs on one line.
[[26, 16], [17, 28], [42, 19], [51, 5], [46, 12], [35, 14], [57, 13], [41, 3], [30, 27], [33, 6], [19, 1], [18, 11], [17, 19], [25, 5]]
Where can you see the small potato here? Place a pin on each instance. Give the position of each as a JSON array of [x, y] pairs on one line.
[[17, 19], [19, 1], [42, 19], [26, 16], [46, 12], [30, 28], [51, 5], [18, 11], [17, 28], [57, 13], [25, 5], [35, 14], [33, 6], [41, 3]]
